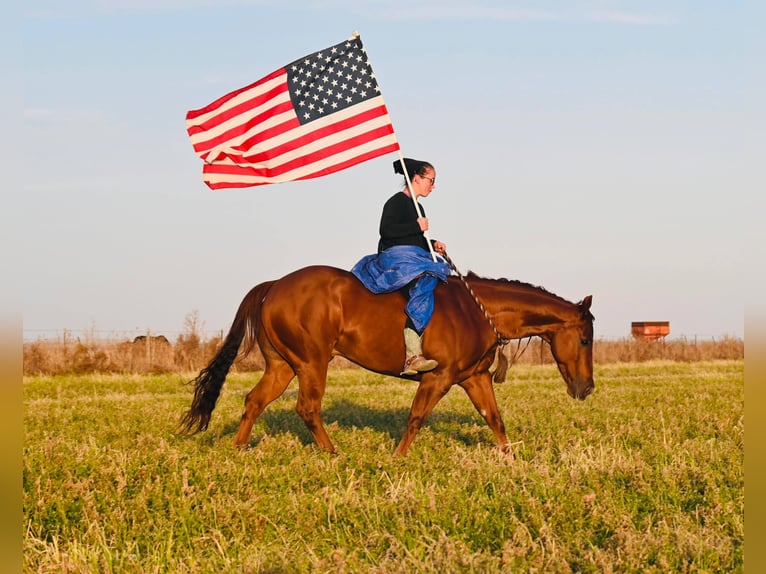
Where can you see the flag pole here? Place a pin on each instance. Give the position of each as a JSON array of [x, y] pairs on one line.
[[415, 201], [355, 35]]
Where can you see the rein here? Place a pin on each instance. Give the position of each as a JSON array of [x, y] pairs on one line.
[[501, 341]]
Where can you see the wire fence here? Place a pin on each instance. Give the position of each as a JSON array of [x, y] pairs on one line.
[[147, 351], [111, 335]]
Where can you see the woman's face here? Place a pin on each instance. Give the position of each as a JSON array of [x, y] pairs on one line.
[[424, 184]]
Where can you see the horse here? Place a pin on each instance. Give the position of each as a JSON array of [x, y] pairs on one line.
[[303, 320]]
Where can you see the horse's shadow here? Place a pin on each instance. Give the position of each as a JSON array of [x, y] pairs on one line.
[[347, 414]]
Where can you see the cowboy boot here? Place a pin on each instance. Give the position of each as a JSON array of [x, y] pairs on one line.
[[415, 362]]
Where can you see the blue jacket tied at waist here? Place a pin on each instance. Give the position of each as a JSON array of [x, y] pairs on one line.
[[398, 266]]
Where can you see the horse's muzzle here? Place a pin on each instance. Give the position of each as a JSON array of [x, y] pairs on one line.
[[580, 390]]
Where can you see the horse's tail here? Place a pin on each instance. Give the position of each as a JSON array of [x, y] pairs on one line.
[[207, 385]]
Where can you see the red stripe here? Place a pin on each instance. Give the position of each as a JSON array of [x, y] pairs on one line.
[[190, 115]]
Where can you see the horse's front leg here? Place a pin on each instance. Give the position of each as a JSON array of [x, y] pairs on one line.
[[482, 394], [430, 391]]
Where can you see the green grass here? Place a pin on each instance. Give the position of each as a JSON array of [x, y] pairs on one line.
[[645, 476]]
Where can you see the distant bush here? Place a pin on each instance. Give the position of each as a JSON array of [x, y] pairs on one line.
[[191, 352]]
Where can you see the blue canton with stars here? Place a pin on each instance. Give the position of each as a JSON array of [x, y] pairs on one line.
[[331, 80]]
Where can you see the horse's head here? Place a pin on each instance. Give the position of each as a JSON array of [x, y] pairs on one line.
[[572, 347]]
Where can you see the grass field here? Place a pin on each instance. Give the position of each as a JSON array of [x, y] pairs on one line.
[[645, 476]]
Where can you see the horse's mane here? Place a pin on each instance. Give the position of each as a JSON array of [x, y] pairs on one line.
[[471, 276]]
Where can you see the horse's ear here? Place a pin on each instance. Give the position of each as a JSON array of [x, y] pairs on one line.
[[585, 303]]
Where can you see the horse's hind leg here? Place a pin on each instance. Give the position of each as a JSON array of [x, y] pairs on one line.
[[273, 383], [312, 381]]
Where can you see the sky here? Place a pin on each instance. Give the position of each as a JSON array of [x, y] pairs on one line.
[[592, 147]]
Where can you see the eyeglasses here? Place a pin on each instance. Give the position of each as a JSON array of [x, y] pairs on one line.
[[431, 179]]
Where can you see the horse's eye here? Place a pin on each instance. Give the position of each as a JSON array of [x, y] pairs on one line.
[[584, 342]]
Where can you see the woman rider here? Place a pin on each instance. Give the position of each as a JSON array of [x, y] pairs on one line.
[[404, 261]]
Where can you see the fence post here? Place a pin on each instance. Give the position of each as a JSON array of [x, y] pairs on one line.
[[148, 349]]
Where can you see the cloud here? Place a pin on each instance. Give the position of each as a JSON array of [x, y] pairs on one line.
[[605, 11], [56, 10], [629, 18], [61, 116]]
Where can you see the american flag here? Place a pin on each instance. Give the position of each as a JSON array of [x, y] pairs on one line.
[[318, 115]]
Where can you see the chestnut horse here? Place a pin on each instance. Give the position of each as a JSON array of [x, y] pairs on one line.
[[300, 322]]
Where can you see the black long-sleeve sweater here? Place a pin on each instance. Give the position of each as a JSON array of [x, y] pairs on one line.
[[399, 225]]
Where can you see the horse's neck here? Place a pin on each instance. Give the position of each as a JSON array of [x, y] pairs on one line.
[[520, 310]]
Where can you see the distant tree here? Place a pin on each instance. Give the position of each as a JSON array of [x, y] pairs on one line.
[[189, 343]]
